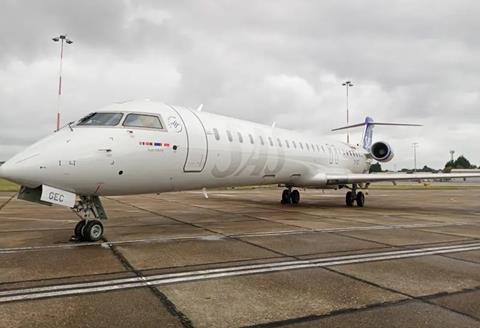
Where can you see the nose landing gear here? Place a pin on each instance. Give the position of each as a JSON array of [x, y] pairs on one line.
[[290, 196], [90, 228], [353, 196]]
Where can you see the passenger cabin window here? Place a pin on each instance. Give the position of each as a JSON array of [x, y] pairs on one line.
[[279, 142], [216, 134], [286, 142], [294, 144], [270, 141], [229, 136], [261, 140], [142, 121], [101, 119], [308, 148], [240, 138], [301, 145], [251, 139]]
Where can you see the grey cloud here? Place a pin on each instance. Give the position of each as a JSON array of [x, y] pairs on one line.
[[259, 60]]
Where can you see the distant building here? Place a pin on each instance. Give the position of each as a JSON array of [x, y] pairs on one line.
[[465, 170], [473, 180], [1, 163]]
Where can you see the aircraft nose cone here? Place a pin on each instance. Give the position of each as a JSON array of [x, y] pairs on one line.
[[23, 172], [6, 171]]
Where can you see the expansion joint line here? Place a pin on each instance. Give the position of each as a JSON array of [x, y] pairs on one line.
[[8, 201], [169, 305]]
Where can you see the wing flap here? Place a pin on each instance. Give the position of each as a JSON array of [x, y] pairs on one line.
[[360, 178]]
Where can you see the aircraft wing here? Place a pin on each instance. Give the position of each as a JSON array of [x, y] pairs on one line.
[[377, 177]]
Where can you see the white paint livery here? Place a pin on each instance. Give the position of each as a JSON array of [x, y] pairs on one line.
[[190, 150]]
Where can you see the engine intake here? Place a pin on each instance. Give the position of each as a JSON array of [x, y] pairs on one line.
[[381, 151]]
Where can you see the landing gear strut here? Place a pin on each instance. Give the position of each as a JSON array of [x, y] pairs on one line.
[[290, 196], [353, 196], [90, 210]]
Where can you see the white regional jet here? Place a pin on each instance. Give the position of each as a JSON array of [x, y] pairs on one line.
[[148, 147]]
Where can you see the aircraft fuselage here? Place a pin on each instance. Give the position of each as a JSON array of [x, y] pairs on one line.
[[191, 150]]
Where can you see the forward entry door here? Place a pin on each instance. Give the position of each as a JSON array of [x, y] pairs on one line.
[[197, 144]]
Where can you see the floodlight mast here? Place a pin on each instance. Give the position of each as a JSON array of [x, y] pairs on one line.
[[61, 38], [348, 84], [415, 146]]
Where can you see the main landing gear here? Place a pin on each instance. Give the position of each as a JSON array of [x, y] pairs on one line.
[[90, 210], [290, 196], [353, 196]]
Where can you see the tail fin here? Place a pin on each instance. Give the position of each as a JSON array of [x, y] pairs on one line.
[[368, 130], [367, 137]]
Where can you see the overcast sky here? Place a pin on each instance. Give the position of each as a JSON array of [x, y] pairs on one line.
[[284, 61]]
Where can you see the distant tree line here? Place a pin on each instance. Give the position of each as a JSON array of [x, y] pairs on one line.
[[460, 163]]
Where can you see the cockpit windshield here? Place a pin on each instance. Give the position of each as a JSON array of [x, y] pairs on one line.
[[101, 119], [142, 121]]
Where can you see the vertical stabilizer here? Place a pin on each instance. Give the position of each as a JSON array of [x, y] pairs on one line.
[[368, 133]]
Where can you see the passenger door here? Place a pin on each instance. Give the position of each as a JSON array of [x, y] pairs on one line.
[[197, 144]]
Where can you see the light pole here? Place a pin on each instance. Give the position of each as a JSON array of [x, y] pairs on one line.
[[347, 84], [451, 155], [63, 39], [415, 145]]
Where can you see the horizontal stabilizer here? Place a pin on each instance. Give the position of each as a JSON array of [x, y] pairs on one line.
[[368, 130], [374, 123]]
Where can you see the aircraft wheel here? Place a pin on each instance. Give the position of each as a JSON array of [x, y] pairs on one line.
[[360, 199], [93, 230], [79, 228], [295, 196], [349, 199], [285, 197]]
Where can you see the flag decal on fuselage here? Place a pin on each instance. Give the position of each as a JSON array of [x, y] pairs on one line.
[[155, 144]]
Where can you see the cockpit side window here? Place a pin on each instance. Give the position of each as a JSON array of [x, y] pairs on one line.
[[101, 119], [142, 121]]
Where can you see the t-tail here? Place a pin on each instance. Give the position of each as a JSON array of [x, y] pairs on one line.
[[369, 123], [380, 150]]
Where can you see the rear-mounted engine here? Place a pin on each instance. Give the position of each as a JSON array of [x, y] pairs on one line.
[[381, 151]]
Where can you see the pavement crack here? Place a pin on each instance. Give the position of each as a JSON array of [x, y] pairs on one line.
[[206, 229], [242, 214], [315, 317], [8, 201], [166, 302], [423, 299]]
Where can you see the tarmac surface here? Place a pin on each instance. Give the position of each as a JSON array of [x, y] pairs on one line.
[[410, 258]]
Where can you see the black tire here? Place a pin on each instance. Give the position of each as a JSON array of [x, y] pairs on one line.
[[286, 197], [79, 228], [360, 199], [295, 196], [349, 199], [93, 231]]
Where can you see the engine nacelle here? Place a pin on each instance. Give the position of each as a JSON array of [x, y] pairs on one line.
[[381, 151]]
